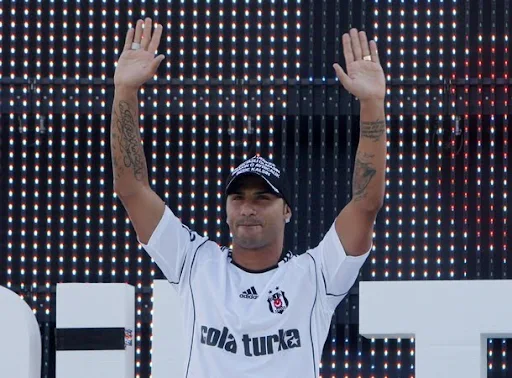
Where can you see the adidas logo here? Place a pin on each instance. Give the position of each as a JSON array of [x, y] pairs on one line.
[[249, 293]]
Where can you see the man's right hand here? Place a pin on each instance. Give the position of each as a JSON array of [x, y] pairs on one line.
[[136, 66]]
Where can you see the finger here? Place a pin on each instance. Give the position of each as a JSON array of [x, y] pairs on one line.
[[129, 39], [356, 45], [345, 80], [365, 48], [155, 40], [347, 49], [156, 62], [146, 34], [374, 52], [138, 32]]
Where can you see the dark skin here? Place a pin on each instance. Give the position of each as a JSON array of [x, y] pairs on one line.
[[256, 219]]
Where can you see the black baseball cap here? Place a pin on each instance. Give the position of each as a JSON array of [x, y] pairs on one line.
[[268, 171]]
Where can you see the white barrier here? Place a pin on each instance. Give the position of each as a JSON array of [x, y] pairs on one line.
[[450, 321], [20, 338], [168, 352], [94, 306]]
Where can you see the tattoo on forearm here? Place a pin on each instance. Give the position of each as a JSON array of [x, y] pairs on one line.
[[364, 171], [131, 154], [373, 130]]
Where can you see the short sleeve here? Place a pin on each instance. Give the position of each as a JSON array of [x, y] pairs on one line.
[[172, 245], [337, 271]]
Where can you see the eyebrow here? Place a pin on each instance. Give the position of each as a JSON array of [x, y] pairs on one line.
[[238, 191]]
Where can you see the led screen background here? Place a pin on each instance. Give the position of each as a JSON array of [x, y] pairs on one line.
[[255, 77]]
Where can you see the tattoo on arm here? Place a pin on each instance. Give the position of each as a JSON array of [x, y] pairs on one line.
[[373, 130], [131, 154], [364, 171]]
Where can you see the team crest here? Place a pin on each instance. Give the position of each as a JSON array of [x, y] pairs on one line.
[[277, 301]]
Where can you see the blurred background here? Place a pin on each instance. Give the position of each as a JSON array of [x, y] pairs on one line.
[[255, 77]]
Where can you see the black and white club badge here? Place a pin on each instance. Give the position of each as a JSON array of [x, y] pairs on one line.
[[277, 301]]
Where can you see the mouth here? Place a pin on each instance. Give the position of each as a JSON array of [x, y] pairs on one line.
[[249, 225]]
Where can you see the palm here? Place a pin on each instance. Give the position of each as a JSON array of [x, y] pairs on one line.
[[134, 67], [137, 64], [368, 79], [365, 77]]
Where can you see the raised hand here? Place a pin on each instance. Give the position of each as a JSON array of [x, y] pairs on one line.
[[364, 77], [138, 63]]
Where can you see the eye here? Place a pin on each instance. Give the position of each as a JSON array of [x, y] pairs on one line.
[[237, 197], [264, 197]]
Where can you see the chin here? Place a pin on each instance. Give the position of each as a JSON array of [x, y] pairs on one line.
[[249, 243]]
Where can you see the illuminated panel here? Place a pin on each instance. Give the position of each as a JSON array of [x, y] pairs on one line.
[[401, 178], [35, 175], [26, 170], [505, 139], [455, 139], [272, 75], [492, 155], [479, 145], [404, 182], [220, 128], [181, 75], [321, 213], [415, 246], [89, 174], [508, 109], [465, 226], [388, 43], [46, 331], [490, 163], [74, 71], [193, 126], [104, 146], [10, 162], [254, 127], [170, 145], [247, 126], [247, 45], [415, 152], [207, 138], [427, 137]]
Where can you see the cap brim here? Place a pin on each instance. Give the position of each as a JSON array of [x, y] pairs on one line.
[[232, 184]]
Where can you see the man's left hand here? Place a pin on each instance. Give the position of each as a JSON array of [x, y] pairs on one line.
[[364, 77]]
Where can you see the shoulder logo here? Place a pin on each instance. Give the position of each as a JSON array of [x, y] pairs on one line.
[[249, 293], [277, 301]]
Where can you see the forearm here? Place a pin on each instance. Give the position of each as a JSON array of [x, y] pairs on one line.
[[128, 160], [368, 183]]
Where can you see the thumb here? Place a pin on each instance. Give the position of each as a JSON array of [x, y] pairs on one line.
[[345, 80], [156, 62]]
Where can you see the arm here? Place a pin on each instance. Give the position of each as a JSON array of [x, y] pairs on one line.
[[131, 183], [365, 79], [143, 205]]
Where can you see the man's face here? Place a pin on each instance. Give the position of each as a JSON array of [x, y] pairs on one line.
[[255, 216]]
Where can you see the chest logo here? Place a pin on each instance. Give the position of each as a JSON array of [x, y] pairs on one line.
[[277, 301]]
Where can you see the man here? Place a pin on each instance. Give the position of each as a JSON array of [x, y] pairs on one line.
[[255, 310]]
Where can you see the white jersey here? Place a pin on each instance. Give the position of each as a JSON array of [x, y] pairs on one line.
[[245, 324]]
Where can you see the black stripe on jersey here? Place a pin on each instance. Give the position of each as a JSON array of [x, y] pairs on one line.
[[253, 290], [193, 304], [311, 318], [185, 259], [333, 295], [181, 272]]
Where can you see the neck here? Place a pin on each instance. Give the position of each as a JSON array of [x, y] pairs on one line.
[[257, 259]]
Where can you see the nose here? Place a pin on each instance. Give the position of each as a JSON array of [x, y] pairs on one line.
[[247, 209]]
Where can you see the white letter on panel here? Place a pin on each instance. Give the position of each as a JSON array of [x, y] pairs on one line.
[[168, 353], [92, 311], [450, 321], [20, 339]]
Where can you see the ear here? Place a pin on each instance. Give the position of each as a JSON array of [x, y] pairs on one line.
[[287, 213]]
